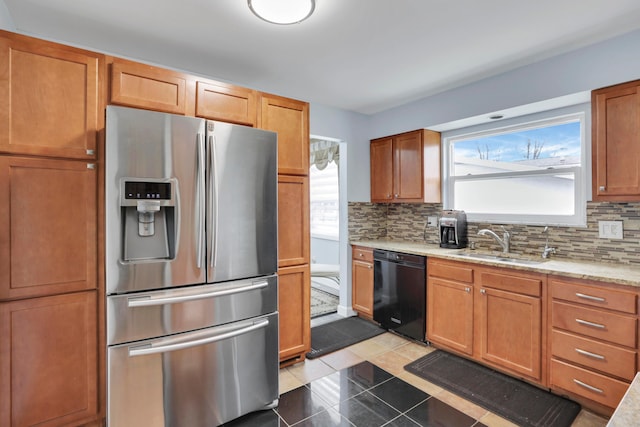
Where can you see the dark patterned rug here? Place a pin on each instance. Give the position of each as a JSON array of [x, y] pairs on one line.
[[515, 400], [342, 333]]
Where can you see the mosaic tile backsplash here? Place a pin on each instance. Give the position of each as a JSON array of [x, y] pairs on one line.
[[408, 221]]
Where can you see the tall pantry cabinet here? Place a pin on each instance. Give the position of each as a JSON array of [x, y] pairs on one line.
[[51, 355], [290, 119]]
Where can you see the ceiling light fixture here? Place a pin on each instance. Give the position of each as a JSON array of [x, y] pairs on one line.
[[282, 12]]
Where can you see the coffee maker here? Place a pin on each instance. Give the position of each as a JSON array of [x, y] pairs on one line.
[[453, 229]]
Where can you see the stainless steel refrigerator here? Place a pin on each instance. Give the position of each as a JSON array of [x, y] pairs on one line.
[[191, 260]]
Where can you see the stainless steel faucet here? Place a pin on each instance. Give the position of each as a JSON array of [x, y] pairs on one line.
[[547, 249], [504, 242]]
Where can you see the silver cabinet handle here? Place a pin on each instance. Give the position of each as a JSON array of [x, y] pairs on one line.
[[369, 266], [590, 297], [91, 165], [588, 387], [593, 325], [589, 354], [147, 301], [483, 291], [602, 188], [164, 348], [468, 289]]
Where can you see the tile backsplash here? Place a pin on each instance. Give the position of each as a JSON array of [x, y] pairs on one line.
[[408, 221]]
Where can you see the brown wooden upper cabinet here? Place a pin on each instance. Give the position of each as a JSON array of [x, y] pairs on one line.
[[290, 119], [405, 168], [616, 142], [144, 86], [227, 103], [50, 98]]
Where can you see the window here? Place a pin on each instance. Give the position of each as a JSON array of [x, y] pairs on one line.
[[526, 173], [324, 200]]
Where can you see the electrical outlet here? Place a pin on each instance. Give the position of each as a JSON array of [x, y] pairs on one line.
[[432, 221], [610, 229]]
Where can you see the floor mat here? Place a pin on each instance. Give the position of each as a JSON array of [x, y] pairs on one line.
[[508, 397], [339, 334]]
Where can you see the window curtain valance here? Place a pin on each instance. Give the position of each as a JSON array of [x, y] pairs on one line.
[[323, 152]]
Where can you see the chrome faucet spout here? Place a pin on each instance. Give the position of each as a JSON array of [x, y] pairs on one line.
[[503, 242]]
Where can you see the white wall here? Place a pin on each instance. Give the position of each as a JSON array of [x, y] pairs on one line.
[[6, 22], [325, 251], [602, 64]]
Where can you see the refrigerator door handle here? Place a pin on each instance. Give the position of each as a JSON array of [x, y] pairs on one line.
[[147, 301], [213, 197], [166, 345], [200, 200]]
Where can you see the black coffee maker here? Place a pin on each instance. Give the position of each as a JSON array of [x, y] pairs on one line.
[[453, 229]]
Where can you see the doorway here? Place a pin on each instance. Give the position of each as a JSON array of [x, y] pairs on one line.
[[329, 239]]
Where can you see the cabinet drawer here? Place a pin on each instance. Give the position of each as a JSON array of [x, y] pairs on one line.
[[520, 284], [606, 358], [591, 385], [451, 271], [362, 254], [599, 324], [594, 296]]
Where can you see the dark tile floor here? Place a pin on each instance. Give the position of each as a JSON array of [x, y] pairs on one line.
[[362, 395]]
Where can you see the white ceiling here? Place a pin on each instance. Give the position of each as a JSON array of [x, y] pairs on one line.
[[359, 55]]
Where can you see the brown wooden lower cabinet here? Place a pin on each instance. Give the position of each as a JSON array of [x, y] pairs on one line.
[[294, 312], [48, 360], [447, 326], [362, 281]]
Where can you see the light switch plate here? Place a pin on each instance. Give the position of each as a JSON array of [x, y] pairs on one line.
[[432, 221], [610, 229]]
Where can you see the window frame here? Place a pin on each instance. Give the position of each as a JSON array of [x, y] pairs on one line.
[[582, 173]]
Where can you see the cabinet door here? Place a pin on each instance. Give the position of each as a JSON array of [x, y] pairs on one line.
[[48, 360], [616, 136], [294, 288], [450, 314], [148, 87], [228, 103], [290, 119], [293, 220], [362, 277], [48, 227], [407, 168], [511, 331], [381, 151], [50, 99]]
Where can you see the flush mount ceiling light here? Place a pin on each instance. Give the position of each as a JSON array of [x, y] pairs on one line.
[[282, 12]]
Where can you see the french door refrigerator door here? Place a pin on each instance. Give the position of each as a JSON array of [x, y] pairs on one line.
[[164, 152], [197, 379], [242, 199]]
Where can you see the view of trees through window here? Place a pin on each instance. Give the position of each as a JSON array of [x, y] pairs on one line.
[[528, 170]]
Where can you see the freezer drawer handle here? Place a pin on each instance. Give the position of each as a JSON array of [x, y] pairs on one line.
[[147, 350], [150, 301]]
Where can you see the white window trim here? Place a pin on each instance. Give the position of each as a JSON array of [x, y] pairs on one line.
[[547, 118]]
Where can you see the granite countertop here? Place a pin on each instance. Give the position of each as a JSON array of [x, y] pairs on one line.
[[628, 411], [612, 273]]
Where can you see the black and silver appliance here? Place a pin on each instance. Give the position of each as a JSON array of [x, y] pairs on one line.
[[191, 261], [453, 229], [399, 292]]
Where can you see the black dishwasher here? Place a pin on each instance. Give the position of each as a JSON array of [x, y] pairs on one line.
[[399, 286]]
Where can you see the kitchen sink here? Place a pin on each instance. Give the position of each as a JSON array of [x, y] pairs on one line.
[[502, 258]]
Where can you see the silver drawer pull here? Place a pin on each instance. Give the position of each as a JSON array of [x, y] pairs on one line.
[[593, 325], [588, 387], [590, 297], [589, 354]]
